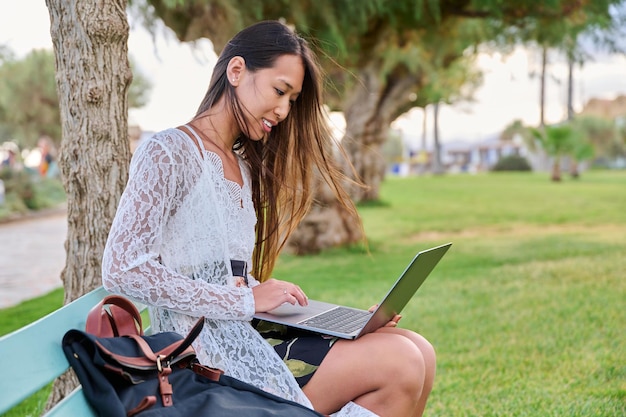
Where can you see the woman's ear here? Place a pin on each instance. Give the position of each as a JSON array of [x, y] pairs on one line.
[[236, 68]]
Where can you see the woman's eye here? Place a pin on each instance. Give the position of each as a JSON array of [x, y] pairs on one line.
[[279, 92]]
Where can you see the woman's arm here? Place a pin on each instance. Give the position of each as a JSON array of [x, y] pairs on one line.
[[131, 263]]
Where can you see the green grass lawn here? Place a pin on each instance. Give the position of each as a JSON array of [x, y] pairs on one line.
[[527, 310]]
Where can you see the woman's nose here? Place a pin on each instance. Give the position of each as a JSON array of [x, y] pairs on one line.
[[282, 111]]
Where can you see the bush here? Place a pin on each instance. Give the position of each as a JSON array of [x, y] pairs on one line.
[[25, 191], [18, 186], [512, 163]]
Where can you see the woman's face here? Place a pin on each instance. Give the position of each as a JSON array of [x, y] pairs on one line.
[[268, 94]]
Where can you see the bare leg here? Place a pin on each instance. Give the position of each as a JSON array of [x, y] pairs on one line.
[[384, 371], [430, 360]]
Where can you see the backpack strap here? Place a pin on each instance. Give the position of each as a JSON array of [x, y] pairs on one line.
[[114, 316]]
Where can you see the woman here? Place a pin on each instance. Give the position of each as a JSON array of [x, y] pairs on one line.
[[207, 199]]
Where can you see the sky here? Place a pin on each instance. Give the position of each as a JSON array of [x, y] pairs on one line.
[[180, 74]]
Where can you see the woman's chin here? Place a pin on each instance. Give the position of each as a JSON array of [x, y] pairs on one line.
[[259, 136]]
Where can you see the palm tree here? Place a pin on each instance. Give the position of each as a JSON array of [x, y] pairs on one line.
[[582, 150], [556, 141]]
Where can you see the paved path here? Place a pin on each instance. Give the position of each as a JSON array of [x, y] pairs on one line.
[[32, 256]]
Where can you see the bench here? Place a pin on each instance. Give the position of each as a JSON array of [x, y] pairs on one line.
[[32, 357]]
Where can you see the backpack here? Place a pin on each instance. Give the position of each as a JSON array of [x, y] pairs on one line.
[[124, 372]]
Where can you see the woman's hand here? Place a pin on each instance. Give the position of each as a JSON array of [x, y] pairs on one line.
[[391, 323], [272, 293]]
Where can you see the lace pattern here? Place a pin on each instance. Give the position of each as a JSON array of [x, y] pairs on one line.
[[178, 224], [353, 410]]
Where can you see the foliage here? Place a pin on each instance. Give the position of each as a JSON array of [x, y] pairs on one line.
[[604, 135], [517, 128], [29, 105], [595, 137], [347, 28], [575, 139], [19, 189], [25, 192], [400, 33], [525, 310], [512, 163], [6, 54], [450, 74], [398, 36], [385, 57], [140, 87], [598, 29], [393, 149], [557, 142], [28, 98], [581, 150]]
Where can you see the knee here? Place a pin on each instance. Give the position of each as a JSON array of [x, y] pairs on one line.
[[407, 367], [428, 352], [426, 349]]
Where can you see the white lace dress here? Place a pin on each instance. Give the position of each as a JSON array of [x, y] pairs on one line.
[[178, 225]]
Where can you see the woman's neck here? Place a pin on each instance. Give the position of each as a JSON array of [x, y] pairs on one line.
[[218, 124]]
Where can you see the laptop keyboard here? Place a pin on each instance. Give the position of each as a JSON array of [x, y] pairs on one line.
[[339, 319]]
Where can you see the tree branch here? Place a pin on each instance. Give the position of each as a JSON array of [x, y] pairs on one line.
[[518, 11]]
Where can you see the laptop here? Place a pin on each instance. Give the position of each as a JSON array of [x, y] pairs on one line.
[[351, 323]]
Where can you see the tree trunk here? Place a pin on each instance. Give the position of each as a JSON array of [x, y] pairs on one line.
[[424, 130], [542, 89], [327, 225], [573, 164], [437, 165], [374, 103], [369, 111], [423, 153], [556, 169], [573, 170], [570, 88], [93, 75]]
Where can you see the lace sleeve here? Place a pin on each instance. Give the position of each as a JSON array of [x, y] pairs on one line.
[[252, 281], [131, 263]]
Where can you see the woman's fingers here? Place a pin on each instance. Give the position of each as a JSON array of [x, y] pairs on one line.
[[294, 294], [391, 323], [273, 293], [394, 321]]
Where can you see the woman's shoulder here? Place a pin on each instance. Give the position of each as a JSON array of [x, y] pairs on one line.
[[172, 142]]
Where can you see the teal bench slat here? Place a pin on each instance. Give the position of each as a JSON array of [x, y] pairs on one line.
[[73, 405], [33, 357]]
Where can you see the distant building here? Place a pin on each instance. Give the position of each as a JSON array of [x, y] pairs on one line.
[[607, 109], [459, 156]]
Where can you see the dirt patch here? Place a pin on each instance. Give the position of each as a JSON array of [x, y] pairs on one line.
[[522, 230]]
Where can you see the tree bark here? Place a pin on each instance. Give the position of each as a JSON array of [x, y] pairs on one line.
[[573, 163], [424, 129], [542, 85], [423, 160], [375, 102], [570, 88], [92, 75], [437, 165], [556, 169], [327, 225]]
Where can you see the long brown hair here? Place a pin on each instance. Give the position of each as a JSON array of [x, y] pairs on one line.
[[284, 165]]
